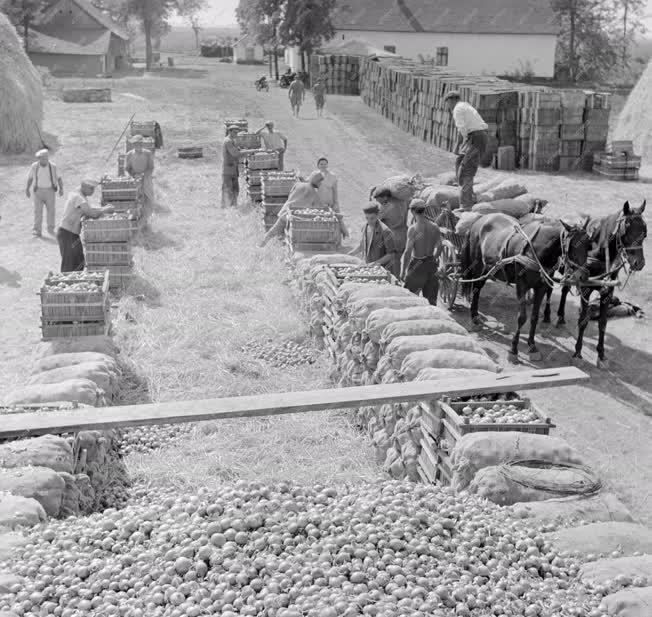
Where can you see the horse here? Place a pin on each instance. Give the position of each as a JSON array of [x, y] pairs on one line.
[[616, 241], [526, 256]]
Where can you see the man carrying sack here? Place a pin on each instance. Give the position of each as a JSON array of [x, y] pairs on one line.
[[44, 177], [473, 139], [68, 234], [273, 141], [421, 256]]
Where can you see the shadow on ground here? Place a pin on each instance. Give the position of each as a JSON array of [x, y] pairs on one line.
[[9, 278]]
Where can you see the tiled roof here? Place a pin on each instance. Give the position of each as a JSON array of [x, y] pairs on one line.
[[100, 17], [72, 42], [454, 16]]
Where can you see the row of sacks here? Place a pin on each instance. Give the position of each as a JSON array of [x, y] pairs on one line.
[[63, 475]]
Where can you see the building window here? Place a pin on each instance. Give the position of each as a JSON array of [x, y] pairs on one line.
[[442, 56], [390, 48]]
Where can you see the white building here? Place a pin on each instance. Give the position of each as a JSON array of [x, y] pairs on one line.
[[245, 50], [492, 37]]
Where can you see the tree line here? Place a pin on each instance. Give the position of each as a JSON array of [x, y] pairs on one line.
[[595, 40]]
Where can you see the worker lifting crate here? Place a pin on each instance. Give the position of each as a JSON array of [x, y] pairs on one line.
[[275, 188], [313, 230]]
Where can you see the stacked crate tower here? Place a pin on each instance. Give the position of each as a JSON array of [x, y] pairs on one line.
[[75, 304], [276, 187], [256, 165], [147, 129], [107, 240], [618, 162], [341, 74]]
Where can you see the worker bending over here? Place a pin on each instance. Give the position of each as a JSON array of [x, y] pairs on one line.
[[377, 243], [303, 195], [471, 145], [68, 234], [421, 256]]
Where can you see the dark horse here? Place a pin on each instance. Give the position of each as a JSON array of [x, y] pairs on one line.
[[616, 241], [526, 256]]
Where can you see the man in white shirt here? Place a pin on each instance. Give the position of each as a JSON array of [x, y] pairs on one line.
[[44, 177], [473, 138], [273, 140]]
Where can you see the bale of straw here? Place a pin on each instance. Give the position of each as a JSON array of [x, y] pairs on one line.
[[21, 94]]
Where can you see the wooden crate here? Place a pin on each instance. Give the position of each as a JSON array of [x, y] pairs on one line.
[[120, 189], [263, 160], [108, 230], [72, 305], [148, 143], [190, 152], [51, 330], [241, 123], [304, 229], [249, 141], [277, 187], [145, 128], [108, 253], [119, 276]]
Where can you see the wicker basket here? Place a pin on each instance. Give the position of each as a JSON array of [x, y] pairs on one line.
[[108, 253], [303, 229], [107, 230], [249, 141], [263, 160], [76, 305], [52, 330], [146, 129]]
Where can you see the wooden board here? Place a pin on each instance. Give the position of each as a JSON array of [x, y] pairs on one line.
[[26, 425]]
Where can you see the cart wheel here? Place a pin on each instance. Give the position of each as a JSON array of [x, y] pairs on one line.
[[449, 275]]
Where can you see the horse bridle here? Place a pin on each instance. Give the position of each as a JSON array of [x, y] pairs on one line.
[[565, 238]]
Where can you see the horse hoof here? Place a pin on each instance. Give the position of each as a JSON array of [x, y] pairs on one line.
[[561, 323], [545, 320], [535, 356], [512, 358], [577, 360], [603, 364]]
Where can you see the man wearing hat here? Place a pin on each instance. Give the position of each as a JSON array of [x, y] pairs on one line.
[[45, 178], [377, 242], [421, 256], [139, 163], [70, 246], [273, 140], [473, 139], [230, 161], [303, 195]]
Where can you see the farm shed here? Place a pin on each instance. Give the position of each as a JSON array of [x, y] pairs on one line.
[[493, 37], [74, 37], [245, 51]]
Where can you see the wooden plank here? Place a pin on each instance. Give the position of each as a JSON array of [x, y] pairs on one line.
[[26, 425]]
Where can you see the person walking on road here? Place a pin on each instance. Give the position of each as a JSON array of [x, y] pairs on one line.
[[44, 178], [319, 92], [273, 140], [471, 145], [328, 192], [139, 163], [297, 95], [68, 234], [303, 195], [377, 242], [421, 257]]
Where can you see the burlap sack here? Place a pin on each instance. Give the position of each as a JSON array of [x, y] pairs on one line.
[[381, 318], [439, 196], [602, 571], [632, 602], [44, 485], [403, 346], [603, 539], [377, 291], [508, 189], [466, 221], [48, 451], [600, 508], [419, 327], [444, 358], [98, 373], [476, 451], [511, 207], [20, 512], [73, 391], [71, 359], [335, 258], [359, 311]]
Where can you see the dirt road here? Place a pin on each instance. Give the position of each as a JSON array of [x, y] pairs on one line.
[[606, 419]]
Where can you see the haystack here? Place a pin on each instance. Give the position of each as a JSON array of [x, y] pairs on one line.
[[634, 122], [21, 94]]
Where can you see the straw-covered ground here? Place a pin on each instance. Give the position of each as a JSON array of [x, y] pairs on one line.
[[205, 289]]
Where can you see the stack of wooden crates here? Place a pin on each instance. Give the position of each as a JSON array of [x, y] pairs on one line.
[[107, 240], [549, 129], [148, 131], [75, 304], [618, 162], [276, 187], [313, 232], [340, 73], [256, 165]]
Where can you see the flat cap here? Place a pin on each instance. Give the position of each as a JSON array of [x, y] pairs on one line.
[[89, 182], [371, 209], [269, 123], [453, 95], [417, 204], [43, 152]]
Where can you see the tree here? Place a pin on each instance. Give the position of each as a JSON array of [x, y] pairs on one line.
[[260, 19], [196, 28], [22, 13], [307, 24], [632, 24]]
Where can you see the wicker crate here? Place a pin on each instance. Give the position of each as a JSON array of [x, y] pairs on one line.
[[108, 230], [108, 253], [263, 160], [190, 152], [52, 330], [148, 144], [146, 128], [303, 229], [75, 305]]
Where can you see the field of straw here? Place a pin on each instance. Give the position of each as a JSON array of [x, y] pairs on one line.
[[204, 289]]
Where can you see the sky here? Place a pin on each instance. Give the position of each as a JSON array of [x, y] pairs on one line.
[[222, 13]]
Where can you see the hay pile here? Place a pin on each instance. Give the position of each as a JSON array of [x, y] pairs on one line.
[[634, 123], [21, 94]]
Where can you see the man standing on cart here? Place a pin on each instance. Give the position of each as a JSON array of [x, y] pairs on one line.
[[421, 256], [471, 145]]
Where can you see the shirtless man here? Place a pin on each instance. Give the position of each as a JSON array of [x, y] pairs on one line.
[[421, 256]]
